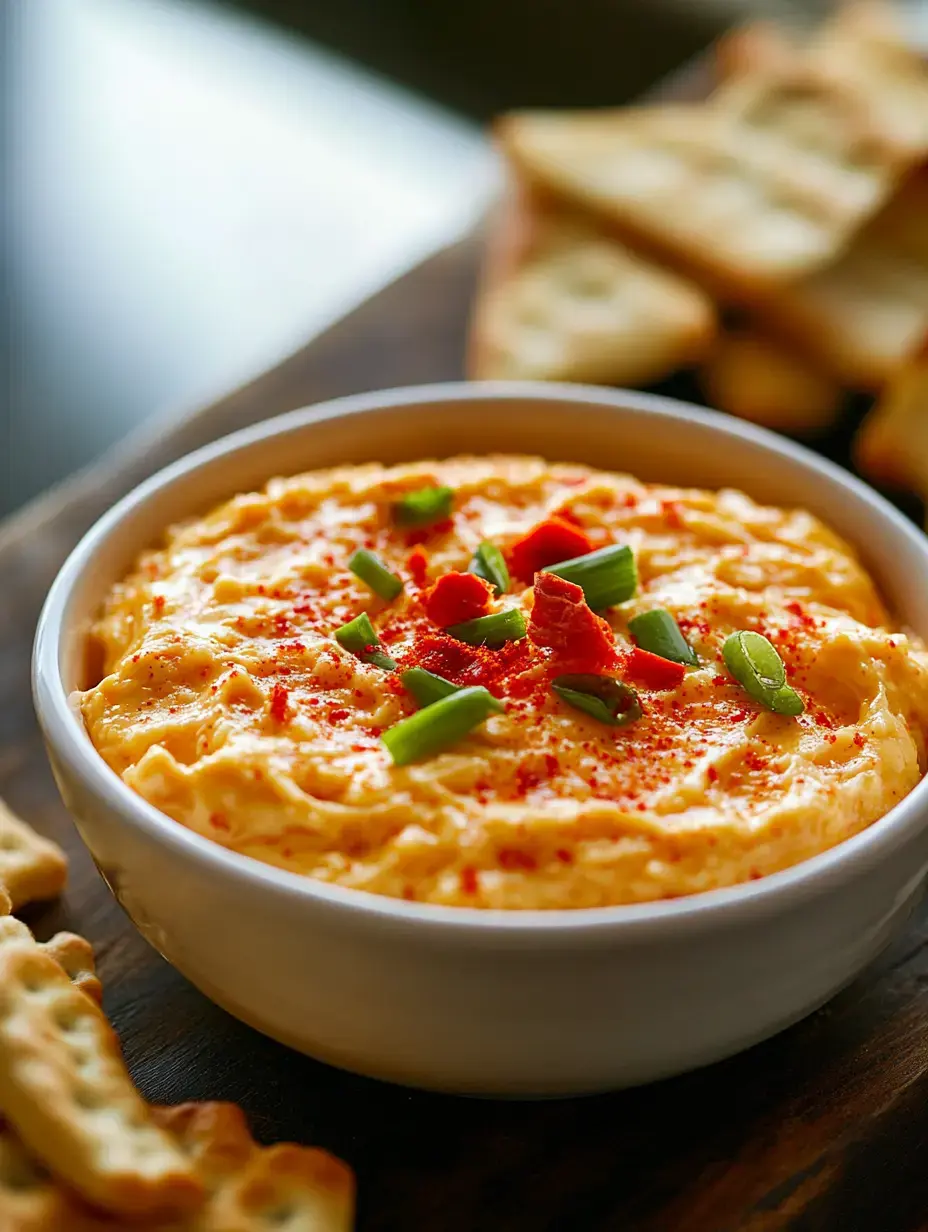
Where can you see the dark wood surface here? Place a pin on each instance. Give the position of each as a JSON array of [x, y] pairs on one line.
[[823, 1129]]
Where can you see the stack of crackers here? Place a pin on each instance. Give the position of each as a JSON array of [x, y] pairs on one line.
[[774, 237], [80, 1149]]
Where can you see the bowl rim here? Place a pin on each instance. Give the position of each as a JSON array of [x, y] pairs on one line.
[[772, 894]]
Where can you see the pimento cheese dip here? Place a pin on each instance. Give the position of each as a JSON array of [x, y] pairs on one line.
[[226, 701]]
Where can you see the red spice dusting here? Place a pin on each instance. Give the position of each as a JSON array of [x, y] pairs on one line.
[[565, 856], [713, 774], [546, 544], [859, 740], [511, 859], [561, 621], [652, 671], [456, 597], [719, 681], [218, 822], [417, 563], [281, 624], [468, 665], [280, 702], [754, 761], [338, 715], [424, 533], [468, 880], [409, 894], [159, 602]]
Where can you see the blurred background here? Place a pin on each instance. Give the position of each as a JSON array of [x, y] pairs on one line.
[[191, 190]]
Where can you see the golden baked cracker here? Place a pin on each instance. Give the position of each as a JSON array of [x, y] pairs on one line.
[[214, 1137], [303, 1188], [65, 1089], [863, 316], [561, 300], [310, 1189], [892, 443], [762, 187], [72, 953], [75, 956], [30, 1199], [6, 903], [760, 379], [31, 867]]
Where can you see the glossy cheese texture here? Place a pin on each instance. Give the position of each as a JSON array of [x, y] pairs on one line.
[[224, 700]]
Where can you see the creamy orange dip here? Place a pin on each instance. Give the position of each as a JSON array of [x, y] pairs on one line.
[[226, 702]]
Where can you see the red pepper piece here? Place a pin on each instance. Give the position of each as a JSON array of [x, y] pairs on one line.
[[548, 543], [652, 671], [563, 622], [456, 597], [417, 562], [280, 703]]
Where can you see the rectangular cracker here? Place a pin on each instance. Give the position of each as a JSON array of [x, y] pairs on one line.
[[892, 443], [65, 1090], [31, 867], [30, 1199], [562, 300], [864, 316]]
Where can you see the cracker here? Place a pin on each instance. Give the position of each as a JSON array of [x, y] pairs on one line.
[[760, 379], [300, 1188], [892, 444], [72, 953], [65, 1089], [31, 867], [253, 1189], [6, 903], [561, 300], [30, 1199], [864, 316]]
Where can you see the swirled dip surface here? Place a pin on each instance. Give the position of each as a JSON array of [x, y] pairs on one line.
[[225, 701]]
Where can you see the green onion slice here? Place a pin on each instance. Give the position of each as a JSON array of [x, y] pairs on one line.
[[658, 632], [359, 637], [427, 687], [604, 698], [493, 630], [755, 664], [607, 576], [422, 506], [490, 564], [375, 574], [439, 725]]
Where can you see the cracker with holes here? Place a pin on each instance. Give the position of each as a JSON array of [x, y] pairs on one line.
[[31, 867], [72, 953], [562, 300], [862, 317], [65, 1090], [760, 379], [892, 444], [252, 1189]]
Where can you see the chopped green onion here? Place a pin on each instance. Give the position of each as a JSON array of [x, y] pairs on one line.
[[423, 506], [607, 576], [433, 728], [359, 637], [426, 687], [658, 632], [493, 630], [490, 564], [755, 664], [604, 698], [375, 574]]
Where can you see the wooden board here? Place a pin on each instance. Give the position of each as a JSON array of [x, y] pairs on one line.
[[822, 1128]]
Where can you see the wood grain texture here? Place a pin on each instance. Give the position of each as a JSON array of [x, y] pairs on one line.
[[823, 1129]]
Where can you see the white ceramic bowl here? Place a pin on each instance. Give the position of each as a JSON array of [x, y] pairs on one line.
[[488, 1001]]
